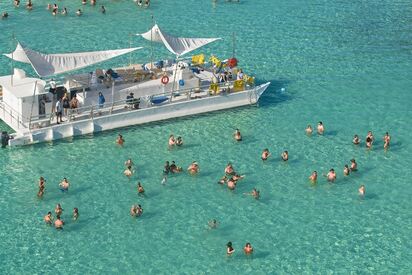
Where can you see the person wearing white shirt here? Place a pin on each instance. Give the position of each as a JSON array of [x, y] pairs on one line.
[[59, 111]]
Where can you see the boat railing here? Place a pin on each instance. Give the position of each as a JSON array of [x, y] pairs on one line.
[[12, 116], [133, 104]]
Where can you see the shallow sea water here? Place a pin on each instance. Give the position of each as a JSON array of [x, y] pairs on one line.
[[346, 63]]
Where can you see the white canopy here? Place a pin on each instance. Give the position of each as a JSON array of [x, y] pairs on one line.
[[51, 64], [177, 45]]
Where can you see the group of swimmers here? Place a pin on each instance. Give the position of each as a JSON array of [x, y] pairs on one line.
[[63, 186], [370, 139], [175, 142], [231, 177], [248, 249], [59, 222]]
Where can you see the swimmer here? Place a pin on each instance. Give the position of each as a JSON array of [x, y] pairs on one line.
[[128, 162], [75, 213], [369, 139], [223, 180], [64, 185], [237, 177], [179, 141], [140, 189], [58, 210], [128, 171], [331, 176], [136, 210], [103, 9], [362, 191], [346, 170], [174, 168], [64, 11], [309, 130], [84, 2], [231, 184], [48, 219], [237, 135], [265, 154], [193, 168], [17, 3], [229, 170], [58, 223], [42, 186], [285, 156], [230, 250], [4, 15], [213, 224], [386, 140], [40, 193], [49, 6], [314, 177], [29, 5], [255, 193], [321, 128], [79, 13], [92, 2], [248, 249], [166, 169], [120, 140], [353, 165], [356, 140], [172, 141]]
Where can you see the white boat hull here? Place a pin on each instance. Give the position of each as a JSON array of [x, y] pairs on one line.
[[139, 116]]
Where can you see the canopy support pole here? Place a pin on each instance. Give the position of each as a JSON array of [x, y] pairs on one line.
[[32, 103]]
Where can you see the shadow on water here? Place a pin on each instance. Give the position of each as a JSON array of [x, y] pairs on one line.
[[330, 133], [260, 254], [276, 93]]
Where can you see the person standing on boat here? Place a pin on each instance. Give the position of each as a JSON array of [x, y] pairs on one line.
[[239, 75], [66, 103], [102, 100], [59, 111]]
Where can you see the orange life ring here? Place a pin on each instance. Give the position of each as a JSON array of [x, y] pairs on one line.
[[165, 79]]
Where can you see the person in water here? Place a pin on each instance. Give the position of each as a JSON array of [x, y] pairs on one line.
[[314, 177], [369, 139], [346, 170], [42, 186], [237, 177], [237, 135], [223, 180], [356, 140], [386, 140], [179, 141], [66, 103], [136, 210], [231, 183], [64, 185], [321, 128], [17, 3], [362, 191], [64, 11], [166, 169], [58, 210], [4, 15], [265, 154], [331, 176], [309, 130], [353, 165], [172, 141], [58, 223], [84, 2], [120, 140], [128, 162], [48, 219], [213, 224], [29, 5], [75, 213], [248, 249], [92, 2], [255, 193], [285, 156], [102, 9], [229, 171], [128, 172], [164, 180], [174, 168], [140, 189], [230, 250], [79, 12], [193, 168]]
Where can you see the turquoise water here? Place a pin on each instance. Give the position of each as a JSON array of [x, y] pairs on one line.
[[347, 63]]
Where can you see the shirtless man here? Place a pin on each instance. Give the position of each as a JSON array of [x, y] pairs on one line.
[[48, 219], [314, 177], [309, 130], [356, 140], [64, 185], [346, 170], [285, 156], [58, 223], [237, 135], [58, 210], [265, 154], [128, 171], [362, 191], [353, 165], [255, 193], [386, 140], [331, 176], [321, 128], [120, 140]]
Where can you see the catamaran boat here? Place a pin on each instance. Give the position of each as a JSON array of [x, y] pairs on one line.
[[133, 94]]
